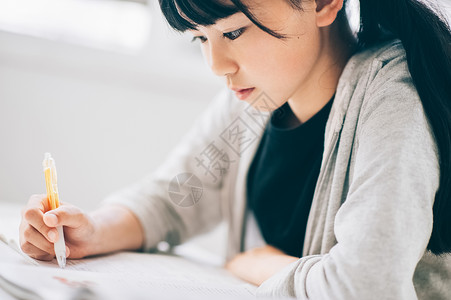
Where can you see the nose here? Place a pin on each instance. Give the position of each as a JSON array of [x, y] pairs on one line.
[[220, 60]]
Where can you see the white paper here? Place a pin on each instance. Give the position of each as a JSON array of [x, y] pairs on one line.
[[123, 275]]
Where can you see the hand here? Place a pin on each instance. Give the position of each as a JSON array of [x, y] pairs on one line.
[[258, 264], [37, 231]]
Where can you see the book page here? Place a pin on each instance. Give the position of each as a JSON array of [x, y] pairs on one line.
[[160, 267], [10, 252], [122, 273], [55, 283]]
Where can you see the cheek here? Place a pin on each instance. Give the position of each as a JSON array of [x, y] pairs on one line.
[[298, 65], [280, 66], [256, 58], [300, 55]]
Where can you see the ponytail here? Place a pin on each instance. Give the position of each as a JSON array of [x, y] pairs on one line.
[[427, 41]]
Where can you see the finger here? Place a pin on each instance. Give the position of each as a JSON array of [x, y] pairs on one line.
[[28, 239], [34, 217], [39, 201], [32, 236], [34, 252], [66, 215]]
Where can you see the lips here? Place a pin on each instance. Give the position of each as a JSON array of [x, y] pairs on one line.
[[237, 89], [242, 93]]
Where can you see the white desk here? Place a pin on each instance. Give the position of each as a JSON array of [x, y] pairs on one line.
[[10, 220]]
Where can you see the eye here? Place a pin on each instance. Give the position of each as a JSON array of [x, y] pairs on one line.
[[232, 35]]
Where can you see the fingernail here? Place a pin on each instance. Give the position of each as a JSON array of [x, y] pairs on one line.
[[51, 219], [52, 235]]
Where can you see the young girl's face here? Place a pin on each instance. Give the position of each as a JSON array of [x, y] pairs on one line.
[[250, 58]]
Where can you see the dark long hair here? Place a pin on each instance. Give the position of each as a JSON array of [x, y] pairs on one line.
[[426, 38]]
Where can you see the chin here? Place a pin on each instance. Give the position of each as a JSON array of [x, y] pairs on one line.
[[263, 102]]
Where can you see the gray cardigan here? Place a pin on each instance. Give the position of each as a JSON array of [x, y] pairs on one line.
[[371, 216]]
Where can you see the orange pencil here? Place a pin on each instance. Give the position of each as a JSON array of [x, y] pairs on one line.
[[53, 198]]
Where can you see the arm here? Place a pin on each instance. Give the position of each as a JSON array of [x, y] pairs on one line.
[[117, 228], [149, 200]]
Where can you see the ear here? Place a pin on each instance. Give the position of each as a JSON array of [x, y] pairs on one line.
[[326, 11]]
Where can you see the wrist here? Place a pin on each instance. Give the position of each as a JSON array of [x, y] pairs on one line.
[[115, 228], [94, 244]]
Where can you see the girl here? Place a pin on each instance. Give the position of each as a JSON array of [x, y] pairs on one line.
[[328, 155]]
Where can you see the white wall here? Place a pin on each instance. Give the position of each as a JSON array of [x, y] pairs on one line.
[[107, 118]]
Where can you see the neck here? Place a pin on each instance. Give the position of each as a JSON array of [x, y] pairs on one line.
[[338, 45]]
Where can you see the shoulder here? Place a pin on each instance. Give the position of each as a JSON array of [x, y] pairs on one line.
[[374, 82], [373, 71], [377, 63], [388, 107], [381, 84], [382, 52], [379, 101]]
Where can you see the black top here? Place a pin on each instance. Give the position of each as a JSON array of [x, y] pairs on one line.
[[283, 175]]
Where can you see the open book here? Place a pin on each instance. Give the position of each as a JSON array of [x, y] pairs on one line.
[[123, 275]]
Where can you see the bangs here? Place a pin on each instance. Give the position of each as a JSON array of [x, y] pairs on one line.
[[188, 14]]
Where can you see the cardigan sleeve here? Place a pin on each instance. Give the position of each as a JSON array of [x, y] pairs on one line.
[[383, 227], [157, 199]]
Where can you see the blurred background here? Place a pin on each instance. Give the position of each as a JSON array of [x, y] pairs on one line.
[[105, 86]]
